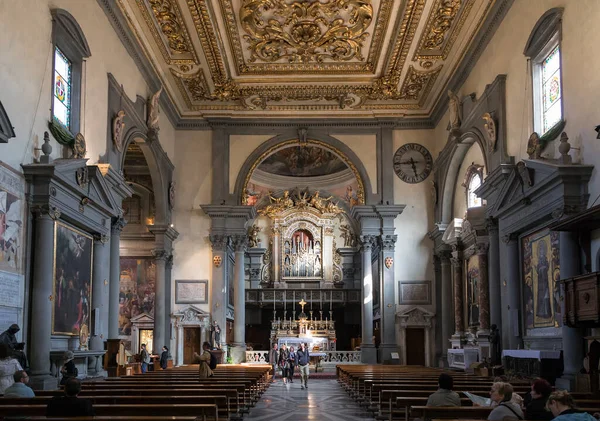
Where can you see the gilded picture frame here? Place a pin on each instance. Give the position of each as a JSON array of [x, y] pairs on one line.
[[71, 280]]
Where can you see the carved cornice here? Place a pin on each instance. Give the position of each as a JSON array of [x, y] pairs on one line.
[[218, 242], [101, 238], [507, 238], [160, 254], [491, 226], [46, 211]]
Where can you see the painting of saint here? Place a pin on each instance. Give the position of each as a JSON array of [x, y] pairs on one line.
[[473, 290], [72, 294], [303, 161], [540, 272], [136, 291], [11, 220]]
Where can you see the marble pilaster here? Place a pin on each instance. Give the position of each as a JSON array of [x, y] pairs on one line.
[[168, 300], [572, 338], [447, 295], [100, 289], [160, 258], [275, 256], [457, 271], [238, 351], [512, 283], [388, 308], [115, 277], [41, 297], [494, 274], [368, 355], [218, 302], [481, 251]]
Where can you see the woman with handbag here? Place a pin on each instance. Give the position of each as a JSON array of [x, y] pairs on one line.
[[291, 364], [283, 362]]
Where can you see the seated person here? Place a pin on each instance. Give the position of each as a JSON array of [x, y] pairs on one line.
[[70, 405], [502, 394], [444, 395], [535, 408], [563, 408], [19, 388]]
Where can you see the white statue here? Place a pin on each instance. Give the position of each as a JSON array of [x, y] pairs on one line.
[[153, 110], [118, 129], [454, 109]]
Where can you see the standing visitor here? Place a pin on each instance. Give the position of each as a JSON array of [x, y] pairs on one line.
[[144, 358], [283, 357], [68, 370], [291, 364], [8, 367], [303, 358], [273, 358], [164, 358], [204, 369]]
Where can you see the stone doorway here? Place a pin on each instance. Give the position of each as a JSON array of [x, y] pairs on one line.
[[415, 349], [191, 344]]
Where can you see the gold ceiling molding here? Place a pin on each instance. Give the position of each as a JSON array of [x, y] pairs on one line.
[[417, 84], [305, 32], [442, 31], [308, 37], [208, 37], [176, 47]]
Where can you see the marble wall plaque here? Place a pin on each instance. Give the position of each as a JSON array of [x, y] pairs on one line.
[[12, 210], [191, 292], [10, 289], [414, 292], [8, 316]]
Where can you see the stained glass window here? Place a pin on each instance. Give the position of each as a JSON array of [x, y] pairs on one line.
[[62, 88], [551, 91], [472, 200]]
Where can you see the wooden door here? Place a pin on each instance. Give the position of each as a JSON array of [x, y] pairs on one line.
[[191, 344], [415, 346]]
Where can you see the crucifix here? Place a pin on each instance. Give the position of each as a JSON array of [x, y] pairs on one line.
[[302, 303]]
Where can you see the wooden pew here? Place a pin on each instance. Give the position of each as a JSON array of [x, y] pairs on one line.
[[472, 412]]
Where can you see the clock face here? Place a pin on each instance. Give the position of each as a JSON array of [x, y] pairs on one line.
[[412, 163]]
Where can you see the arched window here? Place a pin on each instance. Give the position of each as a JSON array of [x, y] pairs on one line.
[[472, 181], [544, 50]]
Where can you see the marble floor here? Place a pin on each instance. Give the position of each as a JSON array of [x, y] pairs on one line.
[[324, 400]]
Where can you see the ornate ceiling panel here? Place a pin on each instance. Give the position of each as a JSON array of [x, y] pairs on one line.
[[302, 57]]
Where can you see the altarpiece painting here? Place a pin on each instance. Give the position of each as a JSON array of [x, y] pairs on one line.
[[541, 271], [473, 279], [136, 291], [72, 294]]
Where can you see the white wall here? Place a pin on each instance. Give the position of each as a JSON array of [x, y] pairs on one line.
[[365, 148], [474, 155], [240, 147]]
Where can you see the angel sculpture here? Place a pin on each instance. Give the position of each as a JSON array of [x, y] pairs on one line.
[[118, 129], [253, 235], [534, 147], [454, 109], [153, 110]]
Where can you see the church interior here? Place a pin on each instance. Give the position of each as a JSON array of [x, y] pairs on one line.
[[400, 185]]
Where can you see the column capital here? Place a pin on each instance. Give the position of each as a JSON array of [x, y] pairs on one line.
[[160, 254], [481, 249], [118, 225], [169, 261], [239, 242], [508, 238], [456, 262], [46, 211], [491, 225], [101, 238], [388, 242], [218, 242], [444, 256], [367, 241]]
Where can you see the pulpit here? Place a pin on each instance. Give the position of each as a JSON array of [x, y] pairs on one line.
[[533, 363]]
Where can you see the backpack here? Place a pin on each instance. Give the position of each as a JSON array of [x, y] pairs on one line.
[[213, 361]]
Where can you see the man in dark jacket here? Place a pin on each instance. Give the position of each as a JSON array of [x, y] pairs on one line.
[[273, 358], [303, 358], [70, 405]]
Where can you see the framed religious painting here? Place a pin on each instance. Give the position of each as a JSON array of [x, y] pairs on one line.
[[137, 282], [191, 292], [473, 279], [72, 292], [541, 272]]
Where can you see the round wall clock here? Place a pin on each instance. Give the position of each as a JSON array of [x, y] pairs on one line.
[[412, 163]]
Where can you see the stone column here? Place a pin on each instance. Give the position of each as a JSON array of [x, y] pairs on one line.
[[388, 299], [481, 250], [572, 338], [168, 298], [218, 301], [494, 274], [238, 351], [160, 258], [100, 275], [41, 297], [367, 348], [276, 255], [115, 278], [459, 324], [447, 300], [512, 284]]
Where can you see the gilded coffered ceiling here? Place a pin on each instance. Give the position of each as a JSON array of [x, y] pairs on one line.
[[353, 58]]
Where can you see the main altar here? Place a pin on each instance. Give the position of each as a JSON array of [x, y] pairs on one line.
[[318, 335]]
